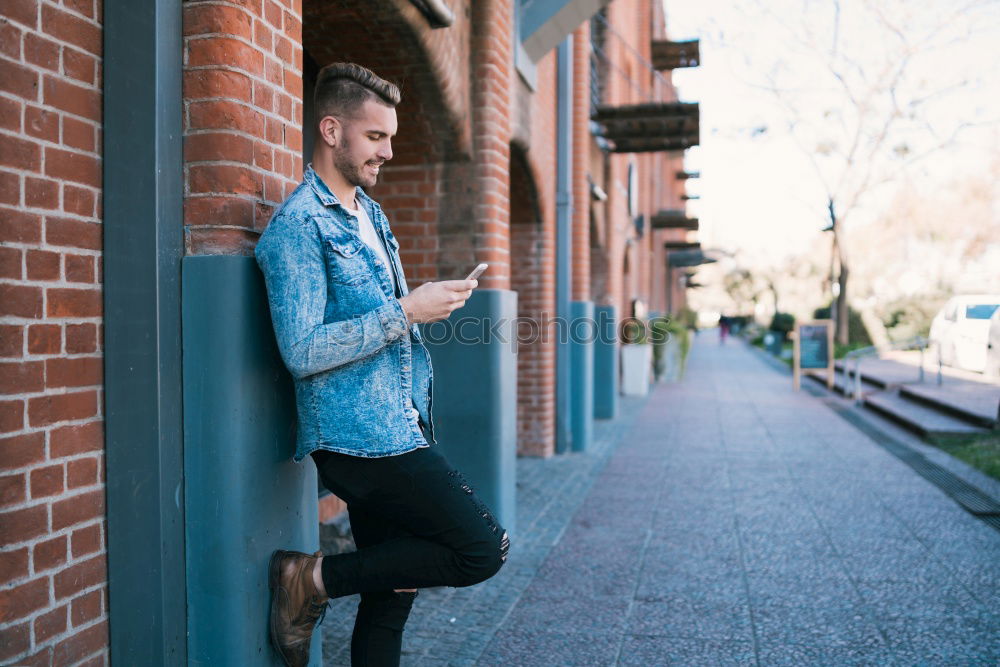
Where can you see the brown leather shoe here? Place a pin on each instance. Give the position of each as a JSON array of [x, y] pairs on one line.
[[296, 605]]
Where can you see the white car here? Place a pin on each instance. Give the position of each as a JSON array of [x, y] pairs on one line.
[[961, 329], [993, 347]]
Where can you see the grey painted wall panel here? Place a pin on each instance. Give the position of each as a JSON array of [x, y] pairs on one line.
[[583, 332], [606, 380], [475, 395], [244, 497]]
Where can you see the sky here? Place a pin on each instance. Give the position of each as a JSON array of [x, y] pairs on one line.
[[760, 192]]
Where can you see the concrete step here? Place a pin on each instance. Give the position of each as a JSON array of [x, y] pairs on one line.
[[976, 405], [920, 418], [844, 385], [875, 373]]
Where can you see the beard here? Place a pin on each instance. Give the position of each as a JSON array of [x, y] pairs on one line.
[[354, 172]]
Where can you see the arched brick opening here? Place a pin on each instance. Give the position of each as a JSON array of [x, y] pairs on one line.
[[533, 278], [598, 256], [628, 280], [426, 189]]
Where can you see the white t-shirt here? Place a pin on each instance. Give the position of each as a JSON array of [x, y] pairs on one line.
[[371, 237]]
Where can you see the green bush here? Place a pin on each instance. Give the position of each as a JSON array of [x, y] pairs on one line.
[[783, 322], [856, 332], [687, 318], [663, 329], [911, 316], [840, 351]]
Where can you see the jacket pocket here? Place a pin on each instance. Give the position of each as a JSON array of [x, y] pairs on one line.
[[345, 263]]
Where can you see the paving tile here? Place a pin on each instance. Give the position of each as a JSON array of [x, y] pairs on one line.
[[836, 626], [796, 655], [909, 600], [684, 616], [803, 592], [543, 649], [718, 586], [643, 651], [557, 579], [658, 561], [894, 563], [574, 614], [703, 541]]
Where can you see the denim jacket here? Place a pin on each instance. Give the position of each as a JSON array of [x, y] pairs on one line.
[[359, 369]]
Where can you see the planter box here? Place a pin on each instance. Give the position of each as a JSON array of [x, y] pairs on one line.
[[637, 366]]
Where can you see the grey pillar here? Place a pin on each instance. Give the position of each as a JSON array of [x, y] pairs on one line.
[[606, 363], [564, 239], [583, 332], [143, 245], [475, 395], [243, 495]]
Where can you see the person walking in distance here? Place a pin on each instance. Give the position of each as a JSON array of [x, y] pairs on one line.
[[345, 324]]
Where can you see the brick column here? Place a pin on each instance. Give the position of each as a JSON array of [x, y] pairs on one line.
[[533, 277], [243, 119], [492, 70]]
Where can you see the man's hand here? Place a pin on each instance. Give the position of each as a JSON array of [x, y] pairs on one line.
[[435, 301]]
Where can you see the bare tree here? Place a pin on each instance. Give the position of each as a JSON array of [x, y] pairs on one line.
[[861, 87], [740, 285]]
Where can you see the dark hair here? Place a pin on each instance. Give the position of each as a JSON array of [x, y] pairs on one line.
[[343, 87]]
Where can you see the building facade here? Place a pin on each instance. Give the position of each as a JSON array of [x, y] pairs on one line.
[[541, 136]]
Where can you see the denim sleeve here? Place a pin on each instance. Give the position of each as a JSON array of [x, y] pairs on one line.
[[291, 257]]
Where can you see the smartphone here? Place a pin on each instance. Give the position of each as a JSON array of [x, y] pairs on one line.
[[476, 272]]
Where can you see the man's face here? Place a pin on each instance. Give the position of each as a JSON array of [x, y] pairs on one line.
[[365, 143]]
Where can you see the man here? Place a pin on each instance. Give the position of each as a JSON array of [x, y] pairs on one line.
[[345, 324]]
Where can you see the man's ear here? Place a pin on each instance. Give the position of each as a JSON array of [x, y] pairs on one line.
[[330, 130]]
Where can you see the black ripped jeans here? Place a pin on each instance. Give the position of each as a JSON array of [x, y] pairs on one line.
[[417, 523]]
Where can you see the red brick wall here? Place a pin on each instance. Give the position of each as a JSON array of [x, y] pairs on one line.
[[634, 23], [492, 87], [242, 119], [533, 246], [53, 573], [532, 260]]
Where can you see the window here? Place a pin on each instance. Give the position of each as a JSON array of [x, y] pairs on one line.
[[980, 311]]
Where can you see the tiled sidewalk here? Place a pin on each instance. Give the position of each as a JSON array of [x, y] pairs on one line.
[[736, 522], [450, 626]]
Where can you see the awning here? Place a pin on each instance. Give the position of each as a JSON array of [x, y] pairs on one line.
[[545, 23], [682, 245], [673, 219], [656, 126], [673, 55], [688, 258]]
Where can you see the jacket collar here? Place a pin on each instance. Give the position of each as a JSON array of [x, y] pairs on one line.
[[325, 194]]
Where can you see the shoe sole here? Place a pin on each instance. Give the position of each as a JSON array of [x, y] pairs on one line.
[[273, 577]]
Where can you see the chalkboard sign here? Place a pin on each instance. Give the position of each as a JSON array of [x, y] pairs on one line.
[[813, 349]]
